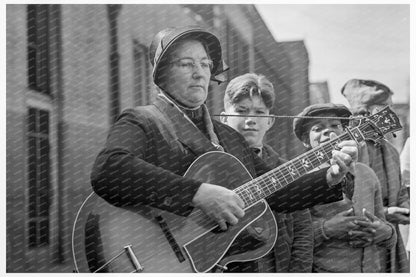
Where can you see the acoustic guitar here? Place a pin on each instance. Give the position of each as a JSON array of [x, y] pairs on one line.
[[141, 238]]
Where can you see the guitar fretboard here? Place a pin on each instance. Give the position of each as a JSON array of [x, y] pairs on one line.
[[371, 128], [280, 177]]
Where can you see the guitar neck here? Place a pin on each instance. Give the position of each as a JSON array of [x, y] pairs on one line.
[[371, 128], [280, 177]]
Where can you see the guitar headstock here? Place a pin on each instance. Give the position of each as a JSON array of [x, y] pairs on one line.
[[374, 127]]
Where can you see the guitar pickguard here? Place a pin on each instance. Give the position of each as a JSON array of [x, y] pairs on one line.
[[253, 237]]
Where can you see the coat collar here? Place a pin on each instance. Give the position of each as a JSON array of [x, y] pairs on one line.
[[185, 130]]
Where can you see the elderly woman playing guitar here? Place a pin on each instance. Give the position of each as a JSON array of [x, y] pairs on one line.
[[180, 185]]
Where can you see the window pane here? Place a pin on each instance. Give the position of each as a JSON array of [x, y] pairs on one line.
[[43, 71], [32, 45], [39, 177], [44, 232], [32, 234], [38, 47], [31, 120], [31, 24], [32, 173], [44, 203], [44, 178], [42, 19], [31, 67], [44, 122]]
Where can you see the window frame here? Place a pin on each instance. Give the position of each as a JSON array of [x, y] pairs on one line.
[[38, 212], [38, 60], [141, 75]]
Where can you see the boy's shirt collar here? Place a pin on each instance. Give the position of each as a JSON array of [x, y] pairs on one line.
[[258, 150]]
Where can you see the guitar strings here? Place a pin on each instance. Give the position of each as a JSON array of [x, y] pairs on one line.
[[288, 116], [311, 117], [289, 178], [313, 158], [261, 179]]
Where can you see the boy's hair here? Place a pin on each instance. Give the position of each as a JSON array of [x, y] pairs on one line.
[[249, 85]]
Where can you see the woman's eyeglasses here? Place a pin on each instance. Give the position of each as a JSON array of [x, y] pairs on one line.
[[188, 65]]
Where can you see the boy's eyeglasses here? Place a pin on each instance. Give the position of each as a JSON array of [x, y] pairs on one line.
[[188, 65]]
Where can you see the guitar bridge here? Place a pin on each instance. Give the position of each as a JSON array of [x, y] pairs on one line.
[[135, 262], [130, 254]]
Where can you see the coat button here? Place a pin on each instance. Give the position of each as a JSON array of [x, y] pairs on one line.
[[153, 197], [167, 201]]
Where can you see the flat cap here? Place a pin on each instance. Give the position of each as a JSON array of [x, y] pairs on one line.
[[299, 123], [364, 93]]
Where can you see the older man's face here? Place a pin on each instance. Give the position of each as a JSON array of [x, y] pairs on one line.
[[319, 129], [187, 77]]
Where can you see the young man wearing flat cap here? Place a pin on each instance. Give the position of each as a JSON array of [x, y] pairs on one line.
[[347, 233], [367, 97]]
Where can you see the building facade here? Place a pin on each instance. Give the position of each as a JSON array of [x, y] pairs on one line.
[[319, 92], [71, 69]]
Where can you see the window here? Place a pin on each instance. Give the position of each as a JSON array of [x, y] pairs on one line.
[[39, 177], [141, 75], [38, 47]]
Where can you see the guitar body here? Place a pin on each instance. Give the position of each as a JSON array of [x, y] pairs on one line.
[[144, 239]]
